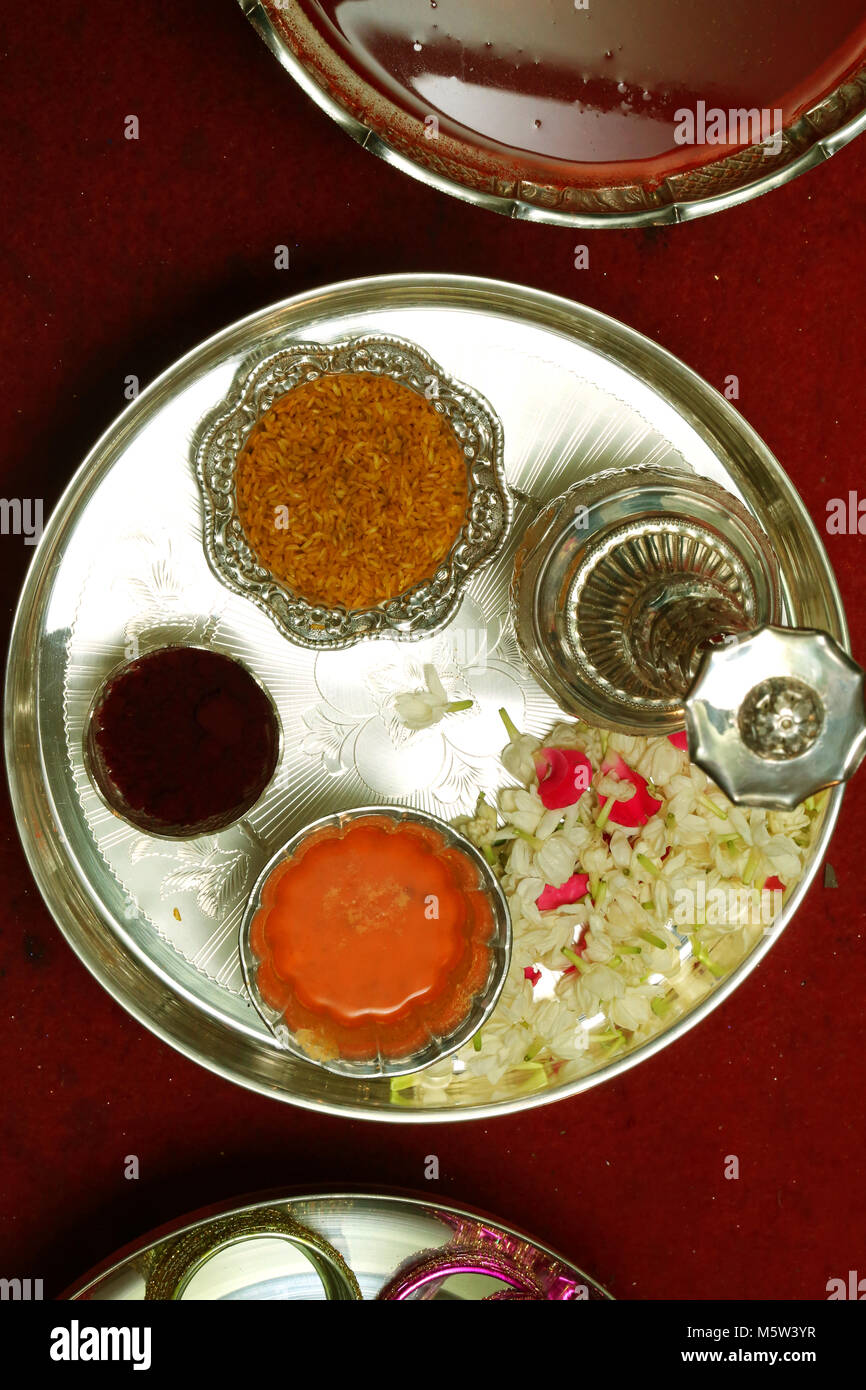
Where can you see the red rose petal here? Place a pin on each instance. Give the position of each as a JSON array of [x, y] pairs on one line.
[[640, 807], [571, 891], [564, 775], [680, 740]]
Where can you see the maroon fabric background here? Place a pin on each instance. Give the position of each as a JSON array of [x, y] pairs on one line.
[[120, 256]]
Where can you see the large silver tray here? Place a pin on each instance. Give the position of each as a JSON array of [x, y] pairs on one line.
[[122, 560], [375, 1233]]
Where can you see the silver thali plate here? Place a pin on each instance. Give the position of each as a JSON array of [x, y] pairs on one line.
[[121, 562], [237, 1253]]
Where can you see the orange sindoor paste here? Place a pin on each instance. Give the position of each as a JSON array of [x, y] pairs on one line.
[[372, 938]]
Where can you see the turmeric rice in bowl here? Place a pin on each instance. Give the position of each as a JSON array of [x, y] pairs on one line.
[[352, 491]]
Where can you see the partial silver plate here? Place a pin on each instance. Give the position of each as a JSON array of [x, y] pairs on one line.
[[462, 169], [374, 1233], [122, 559]]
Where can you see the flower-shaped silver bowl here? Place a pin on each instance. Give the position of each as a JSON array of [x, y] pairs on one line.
[[420, 610], [436, 1047]]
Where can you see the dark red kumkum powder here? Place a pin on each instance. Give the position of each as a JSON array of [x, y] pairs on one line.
[[182, 741]]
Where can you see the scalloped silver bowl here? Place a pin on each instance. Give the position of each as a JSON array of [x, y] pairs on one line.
[[436, 1047], [419, 611]]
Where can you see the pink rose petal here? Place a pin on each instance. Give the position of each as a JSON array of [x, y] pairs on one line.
[[564, 775], [571, 891], [640, 807]]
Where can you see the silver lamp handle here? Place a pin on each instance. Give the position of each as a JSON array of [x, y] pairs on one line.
[[776, 715]]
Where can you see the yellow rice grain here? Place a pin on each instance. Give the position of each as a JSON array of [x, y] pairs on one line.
[[351, 489]]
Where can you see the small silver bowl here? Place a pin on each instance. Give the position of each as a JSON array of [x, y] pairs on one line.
[[426, 607], [436, 1047], [111, 795]]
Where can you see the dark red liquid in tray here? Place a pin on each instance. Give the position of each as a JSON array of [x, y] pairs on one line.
[[594, 86], [182, 741]]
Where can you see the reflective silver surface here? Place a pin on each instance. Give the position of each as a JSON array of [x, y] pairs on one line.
[[428, 606], [214, 1258], [619, 581], [243, 1252], [436, 1047], [121, 561], [776, 715]]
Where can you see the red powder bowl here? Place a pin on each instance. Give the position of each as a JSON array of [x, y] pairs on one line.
[[376, 942], [181, 741]]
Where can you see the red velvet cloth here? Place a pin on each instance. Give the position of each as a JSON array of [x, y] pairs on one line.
[[120, 256]]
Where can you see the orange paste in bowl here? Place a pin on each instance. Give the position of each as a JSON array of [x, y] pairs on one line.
[[372, 939]]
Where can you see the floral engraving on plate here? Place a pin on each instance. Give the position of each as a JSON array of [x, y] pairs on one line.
[[160, 603], [356, 727], [217, 876]]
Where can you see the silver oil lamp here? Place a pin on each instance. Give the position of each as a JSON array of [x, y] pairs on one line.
[[647, 599]]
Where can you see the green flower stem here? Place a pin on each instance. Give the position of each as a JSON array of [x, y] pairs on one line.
[[532, 840], [580, 965], [510, 728], [602, 820], [700, 954], [652, 940], [402, 1083], [648, 864]]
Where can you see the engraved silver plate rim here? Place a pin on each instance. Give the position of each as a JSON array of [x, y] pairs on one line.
[[678, 210], [178, 1015], [386, 1215], [500, 945]]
